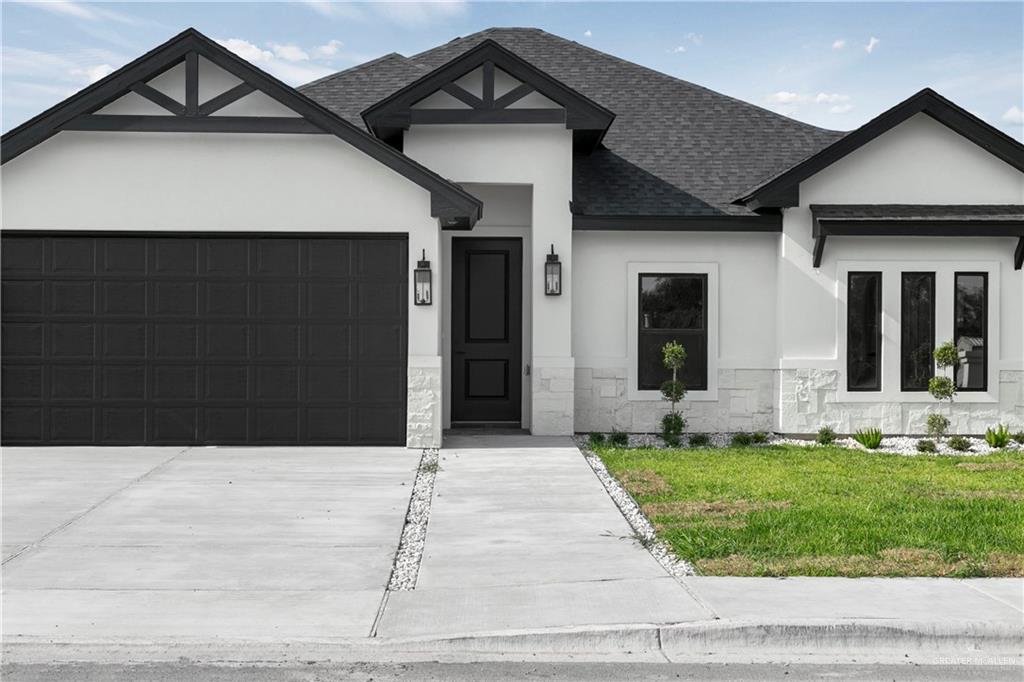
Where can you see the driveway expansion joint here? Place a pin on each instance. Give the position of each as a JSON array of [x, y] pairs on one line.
[[77, 517]]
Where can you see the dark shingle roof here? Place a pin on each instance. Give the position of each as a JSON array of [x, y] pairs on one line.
[[931, 212], [675, 148]]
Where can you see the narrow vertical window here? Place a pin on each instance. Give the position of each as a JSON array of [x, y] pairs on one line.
[[917, 330], [673, 308], [970, 330], [864, 332]]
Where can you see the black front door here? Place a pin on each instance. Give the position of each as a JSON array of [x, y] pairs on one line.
[[487, 315]]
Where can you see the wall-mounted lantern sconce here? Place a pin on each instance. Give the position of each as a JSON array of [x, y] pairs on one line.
[[552, 275], [421, 281]]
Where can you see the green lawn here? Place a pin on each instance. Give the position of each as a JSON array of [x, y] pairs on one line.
[[790, 510]]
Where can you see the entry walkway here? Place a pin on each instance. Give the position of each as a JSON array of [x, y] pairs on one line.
[[523, 535]]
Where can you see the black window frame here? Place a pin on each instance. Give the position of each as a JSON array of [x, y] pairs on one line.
[[877, 387], [985, 326], [904, 387], [703, 277]]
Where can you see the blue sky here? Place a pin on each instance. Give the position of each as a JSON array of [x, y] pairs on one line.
[[831, 64]]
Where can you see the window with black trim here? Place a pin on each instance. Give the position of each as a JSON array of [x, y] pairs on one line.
[[673, 307], [864, 331], [917, 330], [970, 330]]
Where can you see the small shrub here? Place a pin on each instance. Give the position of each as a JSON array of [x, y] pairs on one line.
[[742, 439], [959, 443], [700, 440], [672, 425], [926, 445], [1019, 437], [946, 355], [869, 438], [942, 388], [826, 436], [596, 440], [937, 425], [619, 439], [671, 440], [759, 437], [998, 437]]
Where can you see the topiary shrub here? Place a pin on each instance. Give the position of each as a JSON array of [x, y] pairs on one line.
[[937, 425], [596, 440], [869, 438], [742, 439], [959, 443], [619, 439], [700, 440], [672, 428], [826, 436], [998, 437], [925, 445], [673, 356], [759, 437]]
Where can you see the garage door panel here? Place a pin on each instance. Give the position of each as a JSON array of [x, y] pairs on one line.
[[123, 424], [123, 256], [72, 256], [123, 383], [72, 382], [226, 257], [131, 339], [22, 298], [22, 257], [22, 382]]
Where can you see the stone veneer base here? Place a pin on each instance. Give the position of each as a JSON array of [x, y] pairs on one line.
[[796, 401]]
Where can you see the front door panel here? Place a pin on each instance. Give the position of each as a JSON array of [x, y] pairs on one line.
[[487, 334]]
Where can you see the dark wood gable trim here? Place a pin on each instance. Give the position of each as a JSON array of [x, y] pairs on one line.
[[452, 205], [824, 227], [588, 119], [783, 190]]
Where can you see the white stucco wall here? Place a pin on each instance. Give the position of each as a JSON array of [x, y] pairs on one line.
[[131, 181], [741, 319], [918, 162], [539, 156]]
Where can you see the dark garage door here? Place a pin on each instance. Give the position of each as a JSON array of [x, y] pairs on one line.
[[216, 339]]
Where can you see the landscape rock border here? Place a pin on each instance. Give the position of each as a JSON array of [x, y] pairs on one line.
[[406, 567], [637, 520]]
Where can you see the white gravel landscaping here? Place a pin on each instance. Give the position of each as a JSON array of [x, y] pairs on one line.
[[897, 445], [410, 548], [637, 520]]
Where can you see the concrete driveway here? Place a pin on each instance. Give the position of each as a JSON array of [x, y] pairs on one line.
[[199, 543]]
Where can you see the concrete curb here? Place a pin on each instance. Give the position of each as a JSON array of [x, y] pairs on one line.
[[863, 641]]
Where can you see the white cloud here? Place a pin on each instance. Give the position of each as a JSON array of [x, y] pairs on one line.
[[290, 53], [695, 38], [77, 10], [91, 74], [588, 33], [678, 49], [279, 63], [1014, 115], [834, 98], [784, 97], [872, 44], [328, 50], [248, 51], [839, 44], [406, 13], [840, 108]]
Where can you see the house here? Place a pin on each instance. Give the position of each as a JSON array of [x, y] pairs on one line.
[[504, 229]]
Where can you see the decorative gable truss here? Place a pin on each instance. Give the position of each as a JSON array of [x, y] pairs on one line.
[[173, 88], [488, 84]]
